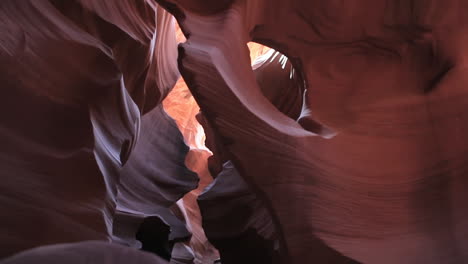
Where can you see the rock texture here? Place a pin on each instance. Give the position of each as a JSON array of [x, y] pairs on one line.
[[87, 152], [83, 252], [374, 166], [344, 142]]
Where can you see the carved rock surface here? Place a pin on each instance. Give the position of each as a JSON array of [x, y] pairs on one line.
[[374, 166], [82, 86], [344, 143]]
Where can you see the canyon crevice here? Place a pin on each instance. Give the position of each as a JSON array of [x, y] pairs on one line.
[[234, 131]]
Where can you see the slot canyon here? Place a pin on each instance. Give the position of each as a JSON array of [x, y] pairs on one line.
[[233, 131]]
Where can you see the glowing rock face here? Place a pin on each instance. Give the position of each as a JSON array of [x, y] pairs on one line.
[[181, 106]]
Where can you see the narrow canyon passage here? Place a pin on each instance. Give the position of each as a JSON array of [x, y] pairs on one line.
[[233, 131]]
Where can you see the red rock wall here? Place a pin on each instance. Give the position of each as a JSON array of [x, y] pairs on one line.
[[343, 143]]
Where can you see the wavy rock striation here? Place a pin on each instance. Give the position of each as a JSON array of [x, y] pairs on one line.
[[373, 169], [83, 82], [344, 143]]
